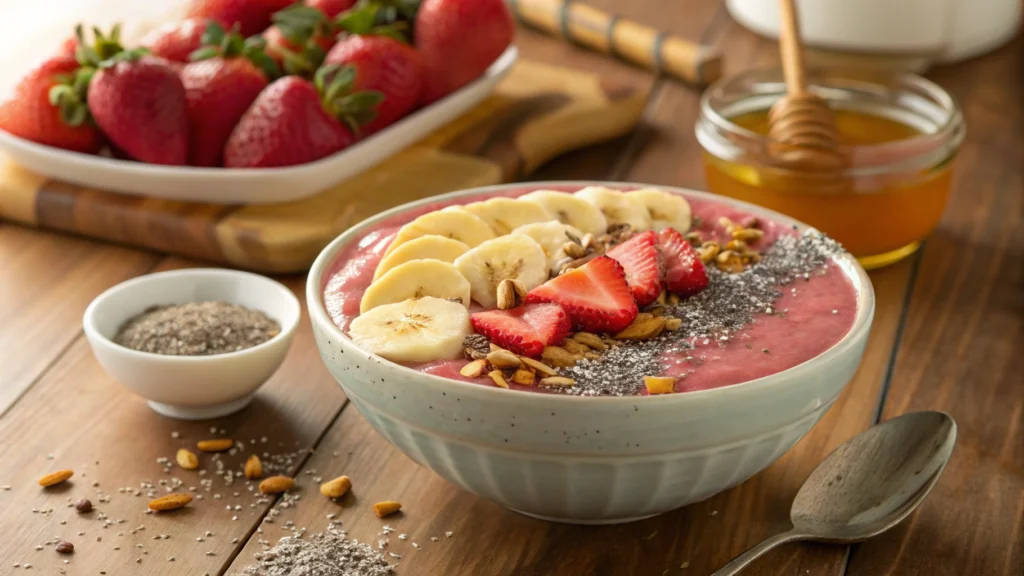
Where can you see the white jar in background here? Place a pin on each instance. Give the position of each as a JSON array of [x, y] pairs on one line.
[[934, 30]]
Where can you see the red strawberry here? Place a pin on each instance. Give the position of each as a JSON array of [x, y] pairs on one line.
[[524, 330], [684, 272], [295, 121], [68, 47], [595, 295], [303, 33], [640, 259], [175, 41], [139, 103], [253, 16], [331, 8], [220, 89], [386, 65], [28, 113], [459, 39]]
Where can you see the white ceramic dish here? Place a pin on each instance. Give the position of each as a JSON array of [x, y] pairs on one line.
[[252, 186], [192, 387], [587, 460]]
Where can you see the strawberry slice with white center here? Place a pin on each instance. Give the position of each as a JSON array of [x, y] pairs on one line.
[[595, 295], [525, 329], [684, 272], [640, 260]]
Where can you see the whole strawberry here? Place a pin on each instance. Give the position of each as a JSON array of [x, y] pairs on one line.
[[295, 121], [227, 75], [459, 39], [385, 65], [139, 103], [252, 16], [300, 57], [175, 41], [303, 33], [29, 112]]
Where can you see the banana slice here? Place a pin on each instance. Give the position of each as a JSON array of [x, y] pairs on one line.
[[430, 247], [665, 209], [415, 330], [511, 257], [618, 208], [452, 222], [506, 214], [571, 210], [552, 237], [416, 279]]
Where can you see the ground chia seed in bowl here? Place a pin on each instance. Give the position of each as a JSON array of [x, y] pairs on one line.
[[197, 329]]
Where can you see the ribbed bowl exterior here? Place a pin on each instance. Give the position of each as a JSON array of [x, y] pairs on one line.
[[585, 460]]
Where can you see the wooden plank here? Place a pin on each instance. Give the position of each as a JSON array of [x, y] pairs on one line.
[[76, 417], [961, 351], [46, 282]]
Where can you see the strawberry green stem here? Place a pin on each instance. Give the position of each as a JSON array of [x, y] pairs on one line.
[[354, 109]]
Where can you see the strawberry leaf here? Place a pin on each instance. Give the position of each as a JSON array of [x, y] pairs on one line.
[[366, 19], [358, 20], [213, 35], [254, 51], [204, 53], [69, 96], [103, 47], [353, 109], [299, 23]]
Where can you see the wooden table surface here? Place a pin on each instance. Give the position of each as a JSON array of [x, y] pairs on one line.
[[947, 336]]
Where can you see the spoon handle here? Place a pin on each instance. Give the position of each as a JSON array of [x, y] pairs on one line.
[[740, 562]]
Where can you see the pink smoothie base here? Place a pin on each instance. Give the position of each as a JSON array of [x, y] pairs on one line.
[[820, 313]]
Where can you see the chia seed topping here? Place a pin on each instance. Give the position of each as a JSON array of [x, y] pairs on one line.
[[197, 329], [730, 302]]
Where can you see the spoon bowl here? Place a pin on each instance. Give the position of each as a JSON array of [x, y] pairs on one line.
[[867, 485], [876, 479]]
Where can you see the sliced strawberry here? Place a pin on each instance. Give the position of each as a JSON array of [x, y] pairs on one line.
[[595, 295], [684, 272], [640, 259], [525, 329]]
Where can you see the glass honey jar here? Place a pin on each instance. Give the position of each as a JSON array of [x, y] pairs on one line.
[[899, 132]]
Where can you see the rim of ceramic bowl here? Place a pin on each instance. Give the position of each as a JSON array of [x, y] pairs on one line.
[[853, 270], [89, 318]]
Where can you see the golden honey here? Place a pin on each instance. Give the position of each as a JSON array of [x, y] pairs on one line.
[[900, 133]]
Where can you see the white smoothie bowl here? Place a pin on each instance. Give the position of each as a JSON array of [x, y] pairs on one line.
[[192, 387], [587, 460]]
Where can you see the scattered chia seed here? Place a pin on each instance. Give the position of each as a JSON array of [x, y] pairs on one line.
[[328, 553], [197, 329], [730, 302]]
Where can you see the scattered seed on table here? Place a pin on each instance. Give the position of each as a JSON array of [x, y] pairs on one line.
[[65, 547]]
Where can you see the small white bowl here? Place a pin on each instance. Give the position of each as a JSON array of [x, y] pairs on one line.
[[583, 460], [253, 185], [192, 387]]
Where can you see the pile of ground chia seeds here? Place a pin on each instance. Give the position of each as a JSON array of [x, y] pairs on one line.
[[328, 553], [197, 329], [729, 303]]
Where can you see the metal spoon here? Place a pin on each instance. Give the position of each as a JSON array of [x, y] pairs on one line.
[[867, 485]]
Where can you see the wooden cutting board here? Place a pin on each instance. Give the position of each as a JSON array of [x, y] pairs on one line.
[[538, 112]]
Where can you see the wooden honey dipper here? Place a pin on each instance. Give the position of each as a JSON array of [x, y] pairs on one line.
[[801, 122]]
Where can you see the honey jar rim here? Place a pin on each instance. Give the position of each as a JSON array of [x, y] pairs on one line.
[[894, 93]]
